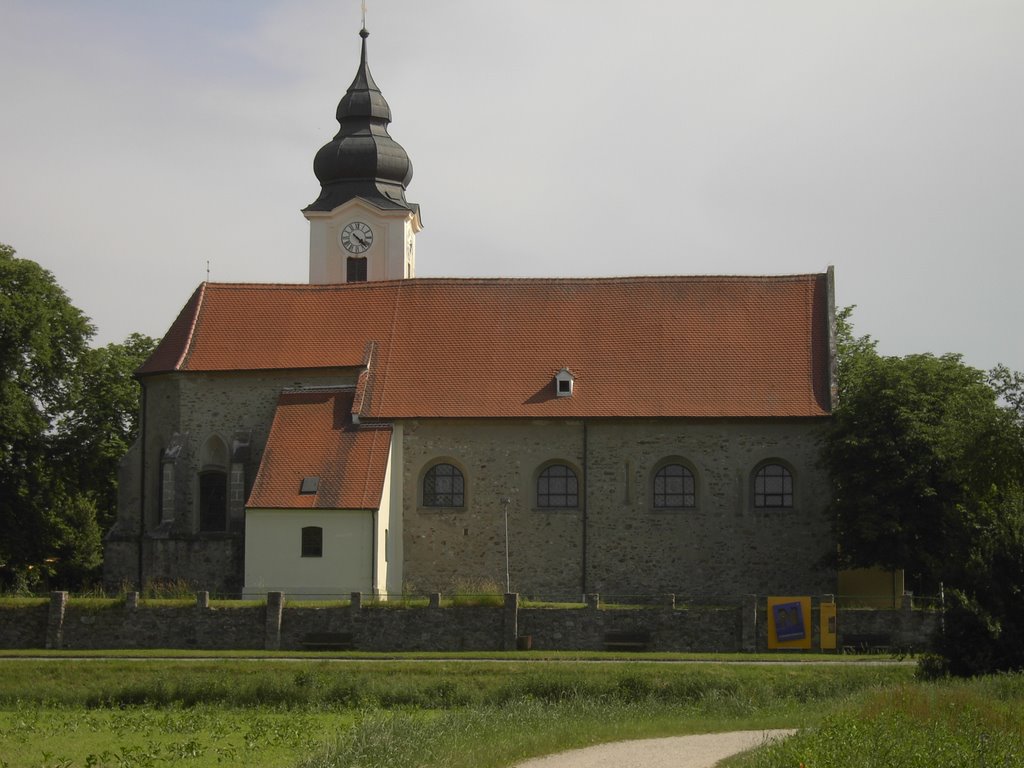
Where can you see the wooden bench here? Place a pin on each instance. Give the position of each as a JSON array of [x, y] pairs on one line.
[[328, 641], [631, 640], [867, 643]]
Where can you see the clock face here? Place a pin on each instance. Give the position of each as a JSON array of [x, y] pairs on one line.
[[356, 237]]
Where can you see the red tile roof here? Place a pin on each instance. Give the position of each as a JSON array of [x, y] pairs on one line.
[[640, 346], [312, 435]]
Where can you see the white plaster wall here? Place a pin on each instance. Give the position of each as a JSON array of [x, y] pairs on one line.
[[322, 269], [273, 560], [392, 501], [386, 258], [382, 535]]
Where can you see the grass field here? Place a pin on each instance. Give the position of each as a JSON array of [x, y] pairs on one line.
[[452, 713]]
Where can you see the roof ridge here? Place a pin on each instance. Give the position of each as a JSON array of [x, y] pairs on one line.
[[187, 346], [378, 284], [301, 389]]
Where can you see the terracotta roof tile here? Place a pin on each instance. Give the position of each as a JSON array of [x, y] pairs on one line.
[[312, 435], [645, 346]]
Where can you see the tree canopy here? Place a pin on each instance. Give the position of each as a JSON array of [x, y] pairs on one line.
[[926, 456], [67, 414]]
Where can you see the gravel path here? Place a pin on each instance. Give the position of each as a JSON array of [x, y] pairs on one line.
[[701, 751]]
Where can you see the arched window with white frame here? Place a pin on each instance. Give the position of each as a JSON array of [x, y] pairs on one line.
[[558, 487], [773, 486], [444, 485], [674, 486]]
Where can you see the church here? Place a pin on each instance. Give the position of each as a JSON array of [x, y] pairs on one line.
[[375, 432]]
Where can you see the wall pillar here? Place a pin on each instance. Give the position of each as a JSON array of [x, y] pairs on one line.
[[131, 601], [202, 600], [240, 457], [435, 600], [357, 601], [592, 600], [272, 633], [55, 620]]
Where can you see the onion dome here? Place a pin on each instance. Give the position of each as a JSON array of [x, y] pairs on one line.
[[362, 160]]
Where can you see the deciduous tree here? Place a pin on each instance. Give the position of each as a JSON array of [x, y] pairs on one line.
[[923, 457], [102, 420], [67, 414], [926, 456]]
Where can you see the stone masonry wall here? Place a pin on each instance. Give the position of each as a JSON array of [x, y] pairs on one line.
[[616, 542], [23, 626], [163, 627], [199, 405], [670, 629], [382, 628], [70, 625], [906, 629]]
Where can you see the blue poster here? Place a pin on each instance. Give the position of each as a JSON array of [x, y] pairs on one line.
[[789, 622]]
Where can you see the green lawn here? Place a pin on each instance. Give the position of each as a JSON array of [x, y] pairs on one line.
[[32, 735], [271, 711]]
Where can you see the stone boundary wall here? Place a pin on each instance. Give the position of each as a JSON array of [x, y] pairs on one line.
[[279, 625], [24, 626]]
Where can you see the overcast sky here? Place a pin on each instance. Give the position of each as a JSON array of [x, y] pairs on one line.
[[141, 140]]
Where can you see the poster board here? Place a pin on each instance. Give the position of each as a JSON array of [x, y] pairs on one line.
[[789, 622]]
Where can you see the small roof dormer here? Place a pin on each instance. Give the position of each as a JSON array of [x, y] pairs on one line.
[[564, 383]]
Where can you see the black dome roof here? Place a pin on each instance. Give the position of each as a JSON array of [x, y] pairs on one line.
[[362, 160]]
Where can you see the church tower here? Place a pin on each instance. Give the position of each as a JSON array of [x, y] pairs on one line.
[[361, 227]]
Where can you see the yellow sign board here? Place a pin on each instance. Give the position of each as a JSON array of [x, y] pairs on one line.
[[789, 622], [827, 631]]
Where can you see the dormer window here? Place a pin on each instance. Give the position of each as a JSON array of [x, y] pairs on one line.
[[563, 383]]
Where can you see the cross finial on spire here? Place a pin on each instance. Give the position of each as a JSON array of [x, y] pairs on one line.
[[363, 4]]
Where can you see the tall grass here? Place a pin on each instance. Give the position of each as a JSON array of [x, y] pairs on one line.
[[426, 685], [951, 724]]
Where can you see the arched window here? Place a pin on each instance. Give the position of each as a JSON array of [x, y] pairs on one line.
[[213, 485], [312, 541], [444, 486], [674, 487], [773, 487], [213, 501], [557, 487]]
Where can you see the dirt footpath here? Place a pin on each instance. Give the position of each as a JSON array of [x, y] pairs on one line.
[[701, 751]]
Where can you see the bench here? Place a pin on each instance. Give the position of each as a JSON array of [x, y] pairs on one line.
[[327, 641], [632, 640], [867, 643]]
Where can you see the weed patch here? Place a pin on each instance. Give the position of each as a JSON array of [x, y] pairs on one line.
[[939, 725]]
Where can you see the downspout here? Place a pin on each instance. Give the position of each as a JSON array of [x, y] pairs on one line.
[[142, 483], [585, 516], [374, 543]]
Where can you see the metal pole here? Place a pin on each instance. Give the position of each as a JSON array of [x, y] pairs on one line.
[[505, 501]]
